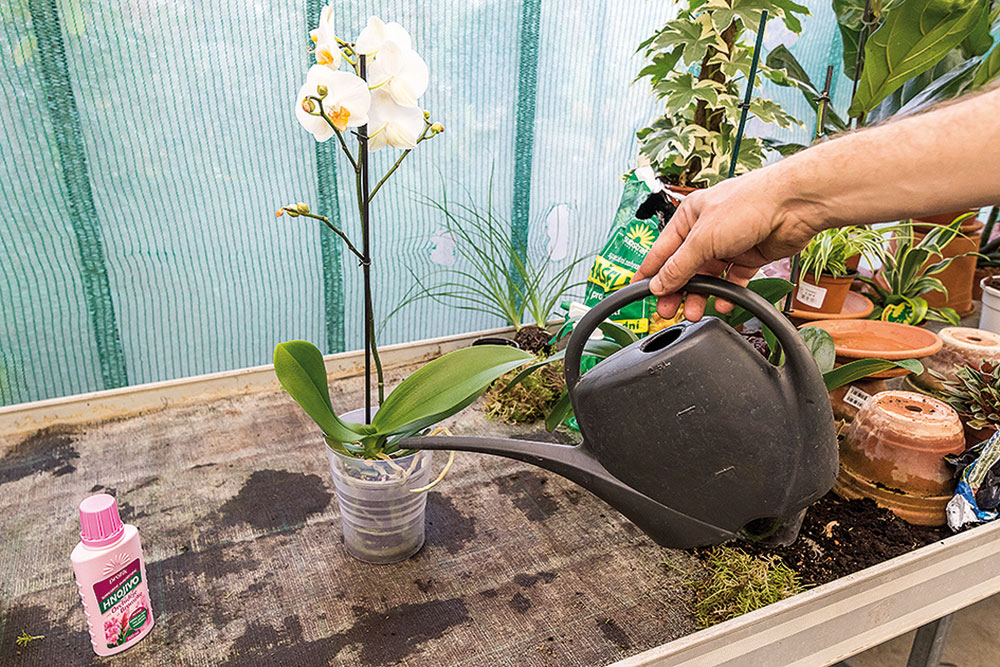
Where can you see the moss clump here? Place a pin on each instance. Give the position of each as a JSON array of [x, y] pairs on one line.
[[528, 401], [738, 583]]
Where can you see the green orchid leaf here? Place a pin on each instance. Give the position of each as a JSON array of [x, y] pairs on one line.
[[915, 36], [821, 346], [560, 412], [444, 386], [862, 368], [299, 366], [772, 289]]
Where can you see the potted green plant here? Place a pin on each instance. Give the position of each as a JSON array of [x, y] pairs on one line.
[[908, 272], [975, 395], [375, 105], [695, 65], [826, 267]]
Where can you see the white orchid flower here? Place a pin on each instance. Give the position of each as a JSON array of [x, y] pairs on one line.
[[327, 51], [391, 124], [377, 33], [345, 104], [402, 73]]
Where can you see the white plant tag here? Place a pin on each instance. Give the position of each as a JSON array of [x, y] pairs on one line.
[[811, 295], [856, 398]]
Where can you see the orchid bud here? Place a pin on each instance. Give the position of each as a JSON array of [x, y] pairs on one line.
[[292, 214], [308, 105], [427, 115], [321, 91], [302, 208], [437, 128], [280, 212]]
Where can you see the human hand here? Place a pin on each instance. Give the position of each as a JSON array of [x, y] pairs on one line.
[[735, 228]]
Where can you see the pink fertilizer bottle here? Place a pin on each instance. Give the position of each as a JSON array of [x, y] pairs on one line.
[[111, 576]]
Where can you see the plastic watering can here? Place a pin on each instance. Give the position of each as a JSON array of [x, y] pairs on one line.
[[690, 433]]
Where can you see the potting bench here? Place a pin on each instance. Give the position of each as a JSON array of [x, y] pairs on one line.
[[229, 485]]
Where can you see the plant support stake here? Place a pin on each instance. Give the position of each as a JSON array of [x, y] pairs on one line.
[[366, 259], [745, 105]]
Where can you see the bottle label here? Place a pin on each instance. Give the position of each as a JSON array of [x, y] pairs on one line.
[[123, 603]]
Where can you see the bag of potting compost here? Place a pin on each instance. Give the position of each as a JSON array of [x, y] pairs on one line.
[[635, 227], [977, 498]]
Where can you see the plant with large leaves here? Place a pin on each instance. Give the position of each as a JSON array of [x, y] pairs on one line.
[[696, 64], [920, 52], [431, 394]]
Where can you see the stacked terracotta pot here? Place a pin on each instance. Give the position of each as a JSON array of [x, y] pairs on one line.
[[893, 453]]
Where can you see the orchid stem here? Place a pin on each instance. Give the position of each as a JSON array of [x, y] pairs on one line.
[[325, 221], [399, 161]]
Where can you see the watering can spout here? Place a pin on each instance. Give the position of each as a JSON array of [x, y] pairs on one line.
[[666, 526]]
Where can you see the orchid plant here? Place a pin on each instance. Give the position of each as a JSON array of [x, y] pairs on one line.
[[366, 91]]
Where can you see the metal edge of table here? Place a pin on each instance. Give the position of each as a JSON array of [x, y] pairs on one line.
[[844, 617]]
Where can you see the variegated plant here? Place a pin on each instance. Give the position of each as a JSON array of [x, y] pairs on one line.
[[698, 65]]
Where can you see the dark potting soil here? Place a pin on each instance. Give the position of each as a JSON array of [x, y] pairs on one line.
[[840, 537], [533, 339]]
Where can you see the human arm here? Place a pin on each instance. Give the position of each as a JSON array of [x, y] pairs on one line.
[[943, 160]]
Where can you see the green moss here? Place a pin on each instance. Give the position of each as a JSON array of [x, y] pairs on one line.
[[528, 401], [738, 583]]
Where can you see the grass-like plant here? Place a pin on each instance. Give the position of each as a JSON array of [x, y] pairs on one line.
[[492, 275], [908, 272]]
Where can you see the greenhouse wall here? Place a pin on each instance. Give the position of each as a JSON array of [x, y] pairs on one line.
[[147, 144]]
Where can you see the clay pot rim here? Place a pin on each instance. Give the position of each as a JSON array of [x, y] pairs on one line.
[[932, 345], [867, 308], [850, 276], [986, 340]]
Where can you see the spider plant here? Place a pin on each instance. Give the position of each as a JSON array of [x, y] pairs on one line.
[[493, 275], [907, 272], [829, 251]]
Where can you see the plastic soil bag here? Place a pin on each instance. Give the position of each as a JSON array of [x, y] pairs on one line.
[[977, 497], [630, 239]]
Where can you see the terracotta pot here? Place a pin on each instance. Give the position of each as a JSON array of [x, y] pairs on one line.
[[961, 346], [974, 436], [875, 339], [846, 411], [829, 300], [856, 306], [893, 454], [853, 263], [959, 275], [981, 274]]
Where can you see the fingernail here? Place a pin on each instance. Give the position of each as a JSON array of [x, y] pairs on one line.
[[656, 285]]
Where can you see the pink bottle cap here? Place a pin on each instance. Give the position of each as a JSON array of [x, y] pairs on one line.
[[100, 524]]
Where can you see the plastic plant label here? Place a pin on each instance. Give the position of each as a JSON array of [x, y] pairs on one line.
[[856, 398], [811, 295]]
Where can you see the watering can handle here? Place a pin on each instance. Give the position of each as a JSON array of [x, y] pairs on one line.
[[796, 352]]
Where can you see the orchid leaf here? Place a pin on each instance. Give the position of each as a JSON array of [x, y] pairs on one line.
[[302, 373], [821, 346], [446, 385], [560, 411], [862, 368]]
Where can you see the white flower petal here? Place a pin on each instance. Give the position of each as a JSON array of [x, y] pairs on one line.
[[396, 125], [403, 73], [372, 37], [394, 32]]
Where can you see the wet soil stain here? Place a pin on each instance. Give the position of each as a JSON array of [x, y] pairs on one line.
[[276, 500], [185, 587], [446, 526], [385, 637], [47, 450], [489, 593], [527, 491], [65, 638], [614, 634], [529, 580], [519, 603]]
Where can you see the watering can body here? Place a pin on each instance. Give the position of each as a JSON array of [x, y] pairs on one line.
[[690, 432]]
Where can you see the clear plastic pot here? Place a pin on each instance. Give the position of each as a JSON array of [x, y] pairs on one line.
[[383, 521]]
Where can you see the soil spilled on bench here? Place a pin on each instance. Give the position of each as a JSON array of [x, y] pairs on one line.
[[840, 537]]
